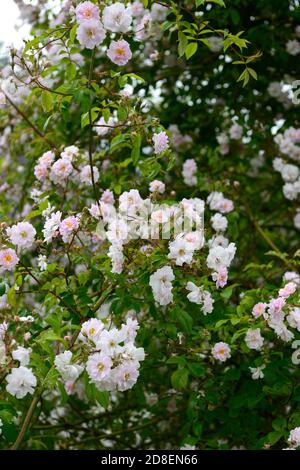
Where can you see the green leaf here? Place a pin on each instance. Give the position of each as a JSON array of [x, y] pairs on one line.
[[102, 398], [71, 71], [279, 424], [122, 113], [274, 437], [221, 322], [134, 76], [11, 297], [252, 73], [176, 360], [47, 101], [73, 34], [179, 378], [186, 321], [136, 147], [117, 140], [48, 335], [106, 114], [191, 49], [196, 369], [182, 43], [86, 117]]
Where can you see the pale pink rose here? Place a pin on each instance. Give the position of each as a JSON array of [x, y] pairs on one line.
[[126, 376], [95, 211], [90, 34], [259, 309], [161, 142], [117, 18], [221, 351], [87, 11], [225, 206], [60, 170], [47, 158], [276, 306], [41, 172], [22, 234], [160, 216], [108, 197], [157, 186], [98, 366], [119, 52], [288, 289], [67, 227], [220, 277], [8, 259]]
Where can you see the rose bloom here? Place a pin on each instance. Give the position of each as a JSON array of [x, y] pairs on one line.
[[288, 289], [8, 259], [221, 351], [126, 375], [90, 34], [41, 172], [294, 437], [157, 187], [225, 206], [98, 366], [22, 234], [108, 197], [61, 169], [161, 142], [67, 226], [259, 309], [47, 158], [117, 18], [253, 339], [160, 216], [87, 11], [220, 277], [119, 52]]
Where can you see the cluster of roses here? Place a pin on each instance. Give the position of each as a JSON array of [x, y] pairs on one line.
[[182, 248], [59, 171], [22, 236], [112, 364], [277, 310], [116, 18], [274, 312], [21, 380], [112, 361], [221, 252]]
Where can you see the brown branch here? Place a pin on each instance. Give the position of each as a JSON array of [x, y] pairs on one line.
[[30, 123]]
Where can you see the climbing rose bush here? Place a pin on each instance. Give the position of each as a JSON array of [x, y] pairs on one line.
[[149, 227]]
